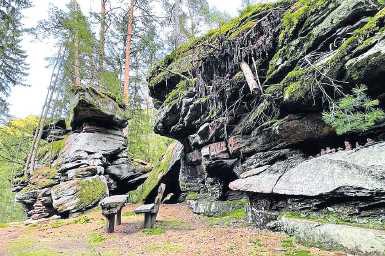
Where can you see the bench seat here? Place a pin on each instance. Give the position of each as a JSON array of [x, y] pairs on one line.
[[145, 208], [112, 210], [151, 210]]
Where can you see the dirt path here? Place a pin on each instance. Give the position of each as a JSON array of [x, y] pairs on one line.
[[178, 232]]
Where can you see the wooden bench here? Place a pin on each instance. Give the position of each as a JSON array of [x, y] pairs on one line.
[[151, 210], [112, 210]]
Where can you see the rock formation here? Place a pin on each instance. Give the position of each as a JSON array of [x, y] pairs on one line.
[[265, 138], [83, 164]]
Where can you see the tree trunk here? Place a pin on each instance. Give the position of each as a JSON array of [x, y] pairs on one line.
[[177, 21], [102, 35], [77, 62], [128, 52]]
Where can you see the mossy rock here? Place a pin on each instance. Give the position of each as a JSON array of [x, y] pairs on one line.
[[91, 105], [179, 64], [79, 195], [155, 176]]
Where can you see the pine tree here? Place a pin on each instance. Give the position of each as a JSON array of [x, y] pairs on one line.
[[13, 65]]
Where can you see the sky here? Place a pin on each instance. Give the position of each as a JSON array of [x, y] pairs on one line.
[[26, 101]]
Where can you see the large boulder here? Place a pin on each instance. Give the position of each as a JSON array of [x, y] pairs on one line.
[[355, 240], [270, 142], [79, 195], [166, 171], [360, 172], [92, 105]]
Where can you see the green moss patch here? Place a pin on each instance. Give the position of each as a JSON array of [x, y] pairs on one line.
[[231, 218], [160, 169], [91, 191]]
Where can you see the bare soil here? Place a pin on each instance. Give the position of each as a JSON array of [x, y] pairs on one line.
[[178, 232]]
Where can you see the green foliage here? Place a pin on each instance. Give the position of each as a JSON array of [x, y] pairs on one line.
[[12, 57], [355, 112], [111, 83], [143, 143], [15, 140], [10, 211], [51, 150]]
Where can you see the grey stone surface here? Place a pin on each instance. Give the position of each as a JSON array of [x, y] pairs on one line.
[[103, 143], [79, 195], [358, 241], [215, 208], [359, 172], [89, 104]]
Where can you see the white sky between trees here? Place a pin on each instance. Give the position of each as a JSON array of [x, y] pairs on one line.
[[26, 101]]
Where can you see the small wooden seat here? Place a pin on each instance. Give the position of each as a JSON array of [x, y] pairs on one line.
[[112, 210], [151, 210]]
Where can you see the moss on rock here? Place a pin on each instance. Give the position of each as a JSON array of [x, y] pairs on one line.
[[79, 195], [144, 190]]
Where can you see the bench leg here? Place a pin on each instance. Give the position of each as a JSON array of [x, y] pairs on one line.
[[153, 219], [119, 217], [110, 224], [148, 220]]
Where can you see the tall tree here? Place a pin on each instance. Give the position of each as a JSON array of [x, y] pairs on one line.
[[190, 18], [13, 65], [102, 34], [130, 22]]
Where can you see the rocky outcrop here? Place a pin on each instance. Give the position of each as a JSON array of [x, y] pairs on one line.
[[89, 163], [355, 240], [165, 172], [271, 143]]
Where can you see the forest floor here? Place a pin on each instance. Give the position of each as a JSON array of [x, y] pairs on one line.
[[178, 232]]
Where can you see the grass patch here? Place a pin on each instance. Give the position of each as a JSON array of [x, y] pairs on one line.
[[4, 225], [129, 214], [290, 245], [166, 247], [26, 246], [95, 239], [256, 247], [154, 231], [233, 248], [58, 223], [175, 224], [82, 220], [40, 252], [230, 218]]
